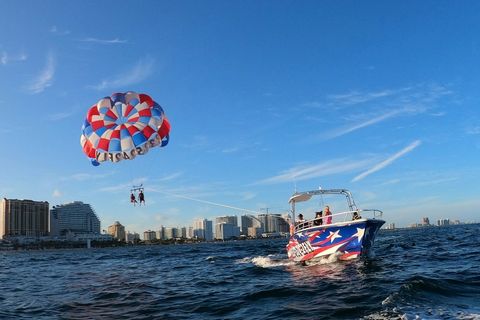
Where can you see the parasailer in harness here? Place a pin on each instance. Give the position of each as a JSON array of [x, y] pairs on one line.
[[133, 199], [141, 197]]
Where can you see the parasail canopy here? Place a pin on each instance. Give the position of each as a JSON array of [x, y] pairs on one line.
[[123, 126]]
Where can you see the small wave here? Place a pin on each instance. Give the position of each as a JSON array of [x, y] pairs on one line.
[[418, 294], [269, 261]]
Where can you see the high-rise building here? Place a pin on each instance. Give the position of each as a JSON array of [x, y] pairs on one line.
[[426, 221], [75, 217], [171, 233], [161, 233], [273, 223], [117, 231], [251, 226], [190, 233], [443, 222], [149, 235], [225, 231], [182, 233], [202, 229], [132, 237], [233, 220], [23, 218]]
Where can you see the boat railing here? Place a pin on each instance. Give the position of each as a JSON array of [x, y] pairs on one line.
[[376, 213], [347, 216]]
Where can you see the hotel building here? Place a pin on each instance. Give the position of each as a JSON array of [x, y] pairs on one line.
[[273, 223], [251, 226], [203, 229], [117, 231], [23, 218], [76, 217]]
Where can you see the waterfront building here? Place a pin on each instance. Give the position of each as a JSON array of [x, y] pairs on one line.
[[443, 222], [233, 220], [171, 233], [273, 223], [74, 218], [149, 235], [225, 231], [254, 232], [190, 233], [182, 233], [117, 231], [426, 221], [161, 233], [132, 237], [23, 218], [203, 229], [251, 226]]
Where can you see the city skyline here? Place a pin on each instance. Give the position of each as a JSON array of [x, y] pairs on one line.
[[264, 98]]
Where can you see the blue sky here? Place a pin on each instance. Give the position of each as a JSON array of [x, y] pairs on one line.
[[377, 97]]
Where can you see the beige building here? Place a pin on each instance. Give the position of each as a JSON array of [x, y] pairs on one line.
[[149, 235], [117, 231], [23, 218]]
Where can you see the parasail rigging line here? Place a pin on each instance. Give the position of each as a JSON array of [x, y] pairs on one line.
[[206, 202]]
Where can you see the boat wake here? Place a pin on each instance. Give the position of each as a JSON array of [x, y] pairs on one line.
[[333, 258], [270, 261]]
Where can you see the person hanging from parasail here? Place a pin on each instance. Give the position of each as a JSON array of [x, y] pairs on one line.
[[133, 199], [141, 197]]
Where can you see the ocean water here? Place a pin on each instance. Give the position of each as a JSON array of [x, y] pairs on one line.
[[431, 273]]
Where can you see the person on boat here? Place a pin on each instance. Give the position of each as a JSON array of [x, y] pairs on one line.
[[318, 218], [328, 214], [356, 216], [141, 197], [133, 199], [301, 223]]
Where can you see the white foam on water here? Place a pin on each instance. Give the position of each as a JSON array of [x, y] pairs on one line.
[[334, 257], [469, 316], [269, 261]]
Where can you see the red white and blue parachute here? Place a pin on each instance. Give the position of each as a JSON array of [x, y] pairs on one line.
[[123, 126]]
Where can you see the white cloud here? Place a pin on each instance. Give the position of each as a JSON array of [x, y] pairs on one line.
[[248, 195], [171, 176], [6, 58], [473, 130], [55, 30], [57, 193], [436, 181], [407, 101], [139, 72], [388, 161], [419, 94], [356, 97], [198, 141], [230, 150], [299, 173], [59, 116], [104, 41], [45, 78], [86, 176], [357, 126]]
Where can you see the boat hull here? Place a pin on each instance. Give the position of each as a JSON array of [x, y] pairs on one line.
[[348, 240]]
